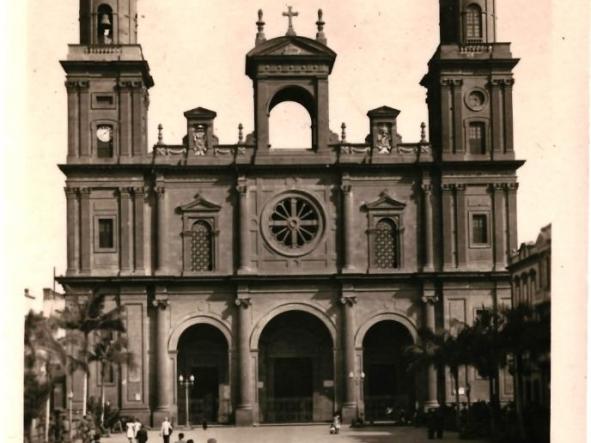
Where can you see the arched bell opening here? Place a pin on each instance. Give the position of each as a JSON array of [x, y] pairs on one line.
[[292, 119], [296, 370], [104, 25], [202, 353], [388, 388]]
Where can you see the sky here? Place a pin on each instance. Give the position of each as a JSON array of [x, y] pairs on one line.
[[196, 52]]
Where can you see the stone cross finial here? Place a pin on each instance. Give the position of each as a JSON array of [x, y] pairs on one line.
[[320, 24], [160, 128], [343, 132], [260, 38], [240, 134], [290, 14], [423, 133]]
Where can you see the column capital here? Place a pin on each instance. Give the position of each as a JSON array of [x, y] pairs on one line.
[[243, 302], [497, 187], [242, 189], [448, 187], [71, 192], [160, 303], [346, 188], [460, 187], [159, 191], [430, 299], [427, 188], [138, 190], [512, 186], [451, 81], [125, 192], [348, 300], [85, 192]]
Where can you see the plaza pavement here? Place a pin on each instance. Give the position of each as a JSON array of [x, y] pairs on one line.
[[296, 434]]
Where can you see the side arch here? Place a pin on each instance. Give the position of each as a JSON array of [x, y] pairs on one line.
[[391, 316], [175, 335], [310, 309]]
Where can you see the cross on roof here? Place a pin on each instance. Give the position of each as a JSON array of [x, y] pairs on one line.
[[290, 14]]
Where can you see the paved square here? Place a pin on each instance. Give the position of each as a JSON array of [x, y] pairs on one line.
[[297, 434]]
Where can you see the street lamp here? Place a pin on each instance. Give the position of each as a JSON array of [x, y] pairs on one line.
[[70, 401], [190, 381]]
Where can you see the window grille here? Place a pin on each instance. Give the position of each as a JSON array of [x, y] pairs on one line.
[[476, 138], [479, 229], [386, 245], [473, 22], [201, 247], [106, 237]]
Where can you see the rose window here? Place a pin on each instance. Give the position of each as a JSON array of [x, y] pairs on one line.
[[293, 224]]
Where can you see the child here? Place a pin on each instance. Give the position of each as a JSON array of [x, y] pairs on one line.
[[181, 438]]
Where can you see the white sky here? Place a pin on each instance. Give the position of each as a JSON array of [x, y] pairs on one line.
[[196, 51]]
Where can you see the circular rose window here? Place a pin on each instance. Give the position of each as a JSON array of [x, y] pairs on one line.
[[476, 99], [292, 224]]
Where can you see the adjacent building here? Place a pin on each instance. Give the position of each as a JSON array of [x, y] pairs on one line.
[[288, 282]]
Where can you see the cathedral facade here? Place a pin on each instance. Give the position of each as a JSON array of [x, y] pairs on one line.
[[282, 285]]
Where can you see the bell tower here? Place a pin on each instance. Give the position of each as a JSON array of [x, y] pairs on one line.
[[107, 81], [470, 85]]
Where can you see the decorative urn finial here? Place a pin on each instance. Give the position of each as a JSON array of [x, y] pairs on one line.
[[320, 37], [260, 38]]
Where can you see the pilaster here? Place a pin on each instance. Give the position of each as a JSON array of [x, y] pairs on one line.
[[165, 387], [458, 129], [508, 114], [162, 230], [497, 116], [348, 223], [350, 408], [499, 226], [448, 226], [72, 227], [125, 141], [73, 118], [512, 242], [244, 221], [126, 232], [462, 229], [428, 265], [84, 109], [85, 230], [138, 219], [446, 116]]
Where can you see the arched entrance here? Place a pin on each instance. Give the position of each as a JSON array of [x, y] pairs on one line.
[[203, 353], [296, 372], [388, 387]]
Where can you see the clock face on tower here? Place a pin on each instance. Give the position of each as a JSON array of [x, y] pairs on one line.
[[104, 133]]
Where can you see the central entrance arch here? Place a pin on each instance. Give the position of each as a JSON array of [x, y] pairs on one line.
[[296, 369], [202, 352]]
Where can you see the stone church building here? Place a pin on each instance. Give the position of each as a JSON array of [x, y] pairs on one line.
[[286, 283]]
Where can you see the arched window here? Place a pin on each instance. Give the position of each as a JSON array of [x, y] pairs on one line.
[[201, 247], [385, 247], [473, 23], [104, 26], [290, 127]]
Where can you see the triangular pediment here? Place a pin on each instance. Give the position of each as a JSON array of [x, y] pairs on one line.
[[291, 45], [200, 204], [385, 202]]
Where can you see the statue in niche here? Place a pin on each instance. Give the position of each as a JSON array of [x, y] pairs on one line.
[[199, 140], [383, 140]]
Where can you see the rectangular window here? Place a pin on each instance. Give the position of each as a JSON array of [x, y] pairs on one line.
[[106, 233], [479, 229], [476, 138]]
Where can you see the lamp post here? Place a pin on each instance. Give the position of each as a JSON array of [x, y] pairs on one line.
[[189, 381], [70, 401]]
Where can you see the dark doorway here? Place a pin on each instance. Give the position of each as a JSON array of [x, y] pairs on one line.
[[295, 370], [203, 354], [389, 387]]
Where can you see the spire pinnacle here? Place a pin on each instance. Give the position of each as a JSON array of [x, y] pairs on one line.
[[290, 14], [320, 37], [260, 38]]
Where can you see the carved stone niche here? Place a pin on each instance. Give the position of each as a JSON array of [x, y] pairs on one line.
[[200, 138], [383, 136]]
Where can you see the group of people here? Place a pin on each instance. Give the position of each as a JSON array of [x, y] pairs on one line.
[[136, 431]]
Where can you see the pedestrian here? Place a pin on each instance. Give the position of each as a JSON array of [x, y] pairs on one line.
[[204, 425], [439, 422], [166, 430], [130, 430], [141, 435], [336, 421], [137, 425], [181, 438], [431, 423]]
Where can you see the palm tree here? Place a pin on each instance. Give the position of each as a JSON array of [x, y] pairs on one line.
[[81, 319], [109, 350]]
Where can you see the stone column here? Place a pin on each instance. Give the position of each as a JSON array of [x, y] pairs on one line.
[[497, 117], [349, 409], [125, 219], [244, 411], [457, 117], [446, 120], [164, 375], [138, 221], [499, 241], [512, 243], [428, 227], [84, 109], [73, 116], [72, 230], [244, 217], [348, 234], [448, 226], [508, 114], [85, 230], [429, 300], [462, 230], [162, 230]]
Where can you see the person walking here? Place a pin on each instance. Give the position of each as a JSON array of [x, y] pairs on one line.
[[166, 430], [142, 434], [130, 430]]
